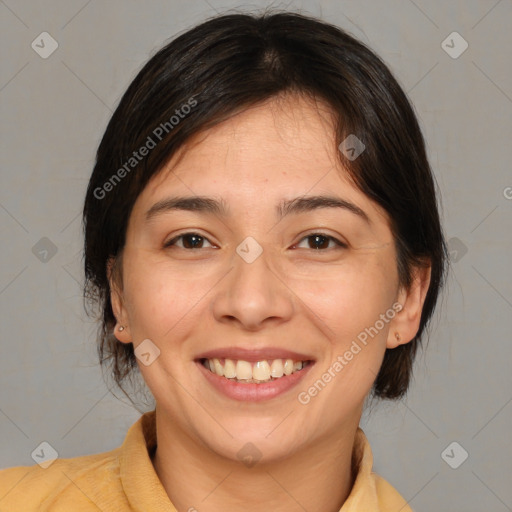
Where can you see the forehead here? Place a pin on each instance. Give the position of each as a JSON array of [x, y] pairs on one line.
[[285, 147], [288, 127]]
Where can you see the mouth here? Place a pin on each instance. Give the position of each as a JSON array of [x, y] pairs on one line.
[[258, 372], [253, 375]]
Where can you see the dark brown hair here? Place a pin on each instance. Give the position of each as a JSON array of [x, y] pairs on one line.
[[235, 61]]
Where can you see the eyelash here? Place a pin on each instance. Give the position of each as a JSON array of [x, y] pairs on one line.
[[172, 242]]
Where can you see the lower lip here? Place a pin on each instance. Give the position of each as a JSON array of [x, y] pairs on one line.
[[254, 392]]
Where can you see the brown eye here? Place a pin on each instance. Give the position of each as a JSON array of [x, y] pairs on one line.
[[319, 241], [189, 241]]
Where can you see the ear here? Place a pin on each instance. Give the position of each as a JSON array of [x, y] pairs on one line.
[[117, 301], [406, 322]]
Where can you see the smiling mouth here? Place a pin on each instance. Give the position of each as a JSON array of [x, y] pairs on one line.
[[258, 372]]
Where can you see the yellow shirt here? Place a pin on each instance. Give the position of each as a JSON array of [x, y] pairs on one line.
[[124, 479]]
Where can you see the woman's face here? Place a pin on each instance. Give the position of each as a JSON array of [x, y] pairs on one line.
[[258, 284]]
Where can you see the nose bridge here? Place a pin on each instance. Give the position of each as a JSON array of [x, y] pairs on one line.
[[253, 278], [253, 291]]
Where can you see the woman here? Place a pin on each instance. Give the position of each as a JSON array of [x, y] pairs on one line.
[[262, 236]]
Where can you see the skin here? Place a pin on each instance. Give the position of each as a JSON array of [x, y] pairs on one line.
[[293, 296]]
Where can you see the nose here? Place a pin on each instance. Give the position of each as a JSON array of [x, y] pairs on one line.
[[253, 294]]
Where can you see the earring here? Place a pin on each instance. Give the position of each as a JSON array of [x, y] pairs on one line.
[[397, 336], [121, 328]]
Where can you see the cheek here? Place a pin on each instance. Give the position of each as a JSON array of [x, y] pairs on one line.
[[159, 299], [348, 309], [351, 300]]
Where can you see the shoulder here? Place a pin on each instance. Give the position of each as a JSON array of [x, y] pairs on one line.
[[388, 497], [79, 483]]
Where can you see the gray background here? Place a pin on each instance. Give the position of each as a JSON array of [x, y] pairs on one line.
[[54, 112]]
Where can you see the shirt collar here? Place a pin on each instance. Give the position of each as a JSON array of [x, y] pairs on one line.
[[363, 495], [140, 482], [144, 490]]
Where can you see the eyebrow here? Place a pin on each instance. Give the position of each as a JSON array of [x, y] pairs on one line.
[[209, 205]]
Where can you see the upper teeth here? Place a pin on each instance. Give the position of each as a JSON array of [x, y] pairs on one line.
[[259, 371]]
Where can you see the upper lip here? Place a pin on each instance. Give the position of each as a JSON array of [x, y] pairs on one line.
[[254, 354]]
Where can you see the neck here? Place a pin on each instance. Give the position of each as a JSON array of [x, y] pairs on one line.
[[318, 478]]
